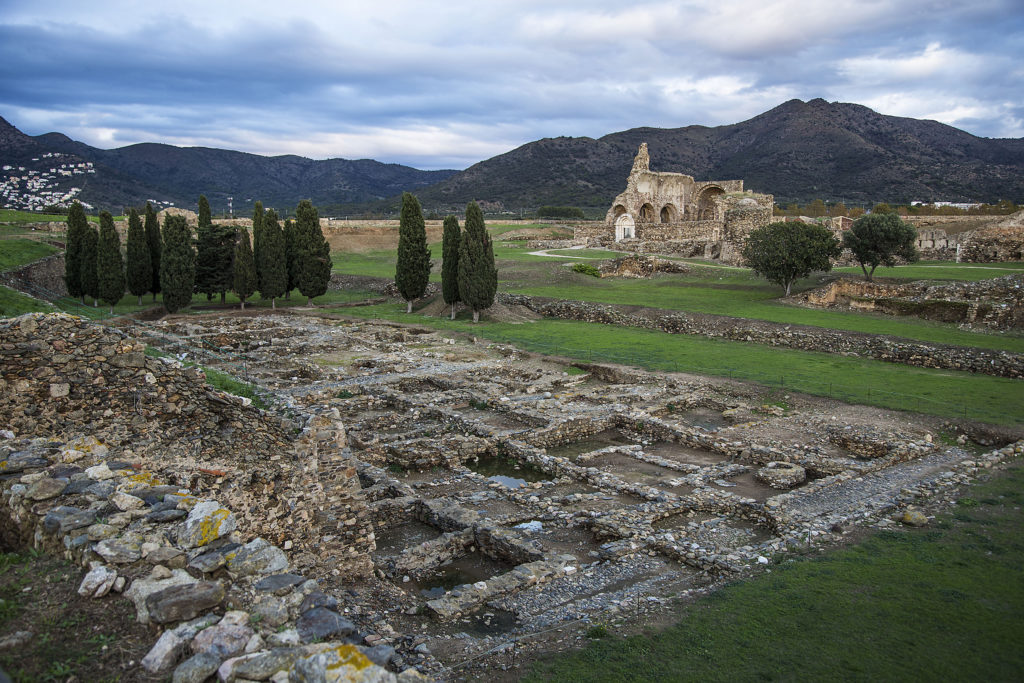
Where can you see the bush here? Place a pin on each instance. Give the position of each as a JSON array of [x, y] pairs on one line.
[[586, 269]]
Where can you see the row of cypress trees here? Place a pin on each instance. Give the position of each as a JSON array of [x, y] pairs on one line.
[[219, 258], [468, 273]]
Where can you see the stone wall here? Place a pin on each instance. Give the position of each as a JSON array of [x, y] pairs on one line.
[[43, 277], [893, 350], [65, 378], [996, 303]]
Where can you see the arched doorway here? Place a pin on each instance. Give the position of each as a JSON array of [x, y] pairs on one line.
[[625, 227], [646, 213], [669, 213], [707, 203]]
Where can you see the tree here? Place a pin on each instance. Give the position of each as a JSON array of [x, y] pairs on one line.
[[785, 252], [312, 253], [880, 238], [257, 242], [289, 251], [216, 251], [412, 269], [90, 279], [816, 209], [245, 269], [478, 277], [178, 264], [838, 209], [78, 225], [109, 264], [154, 242], [882, 208], [138, 272], [274, 270], [450, 262]]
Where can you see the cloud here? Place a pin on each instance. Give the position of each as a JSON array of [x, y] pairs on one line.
[[454, 83]]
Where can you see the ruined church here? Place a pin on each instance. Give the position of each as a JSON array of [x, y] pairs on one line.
[[673, 213]]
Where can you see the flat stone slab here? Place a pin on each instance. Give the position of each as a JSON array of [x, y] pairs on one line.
[[179, 603], [322, 623]]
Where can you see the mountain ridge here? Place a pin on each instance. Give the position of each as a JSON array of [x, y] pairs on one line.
[[797, 151]]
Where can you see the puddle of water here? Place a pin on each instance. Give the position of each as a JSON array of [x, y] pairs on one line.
[[608, 437], [507, 471], [394, 540], [467, 569]]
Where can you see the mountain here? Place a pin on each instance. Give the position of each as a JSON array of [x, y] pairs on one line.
[[797, 151], [178, 175]]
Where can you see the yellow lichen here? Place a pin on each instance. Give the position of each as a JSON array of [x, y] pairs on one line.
[[209, 527], [349, 655], [147, 478]]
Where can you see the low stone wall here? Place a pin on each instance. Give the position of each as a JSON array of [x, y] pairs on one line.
[[997, 303], [43, 278], [225, 607], [889, 349]]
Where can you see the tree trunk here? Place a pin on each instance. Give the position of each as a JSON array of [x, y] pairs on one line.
[[408, 306], [288, 295], [224, 298], [154, 297], [788, 285], [273, 303], [111, 309], [95, 302], [453, 311], [867, 275], [140, 299], [476, 316], [243, 304], [309, 301]]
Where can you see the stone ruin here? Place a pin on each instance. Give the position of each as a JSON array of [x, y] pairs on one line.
[[673, 213], [444, 501]]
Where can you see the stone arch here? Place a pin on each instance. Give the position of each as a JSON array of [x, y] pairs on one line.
[[669, 213], [707, 203], [647, 213], [625, 227], [617, 211]]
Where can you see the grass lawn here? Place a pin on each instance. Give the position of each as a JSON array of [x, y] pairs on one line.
[[21, 217], [19, 252], [739, 293], [944, 602], [14, 303], [942, 270], [858, 380]]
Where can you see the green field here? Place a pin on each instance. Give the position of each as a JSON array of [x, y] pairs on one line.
[[17, 217], [942, 270]]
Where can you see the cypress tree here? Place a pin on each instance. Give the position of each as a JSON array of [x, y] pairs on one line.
[[245, 269], [90, 278], [450, 264], [153, 241], [205, 218], [412, 269], [312, 253], [178, 264], [138, 272], [257, 242], [274, 270], [478, 277], [216, 253], [78, 224], [289, 252], [109, 264]]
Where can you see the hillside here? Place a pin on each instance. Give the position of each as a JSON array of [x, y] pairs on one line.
[[178, 175], [797, 151]]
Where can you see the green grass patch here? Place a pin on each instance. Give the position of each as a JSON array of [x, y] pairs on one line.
[[739, 294], [942, 270], [13, 303], [587, 253], [19, 252], [856, 380], [939, 603], [225, 382]]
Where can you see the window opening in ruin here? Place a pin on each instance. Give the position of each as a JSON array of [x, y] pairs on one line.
[[646, 213], [707, 204], [669, 213]]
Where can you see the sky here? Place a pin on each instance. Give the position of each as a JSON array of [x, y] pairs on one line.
[[444, 85]]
